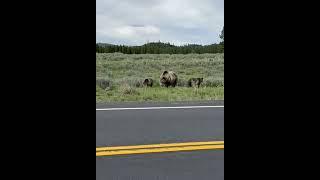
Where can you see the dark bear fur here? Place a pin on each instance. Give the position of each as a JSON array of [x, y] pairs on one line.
[[195, 82], [148, 82], [168, 78]]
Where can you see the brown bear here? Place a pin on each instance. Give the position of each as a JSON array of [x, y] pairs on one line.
[[103, 84], [168, 78], [195, 82], [148, 82]]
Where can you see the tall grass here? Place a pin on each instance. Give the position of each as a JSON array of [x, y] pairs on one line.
[[129, 70], [126, 93]]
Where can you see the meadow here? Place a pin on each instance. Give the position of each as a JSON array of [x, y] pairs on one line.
[[125, 73]]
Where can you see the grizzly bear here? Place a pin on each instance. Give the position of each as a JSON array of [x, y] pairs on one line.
[[168, 78], [148, 82], [195, 82]]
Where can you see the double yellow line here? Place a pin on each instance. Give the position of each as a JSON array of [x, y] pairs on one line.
[[157, 148]]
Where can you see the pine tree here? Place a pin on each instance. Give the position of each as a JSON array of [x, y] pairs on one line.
[[222, 35]]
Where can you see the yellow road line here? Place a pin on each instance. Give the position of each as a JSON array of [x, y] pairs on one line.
[[157, 148], [159, 145]]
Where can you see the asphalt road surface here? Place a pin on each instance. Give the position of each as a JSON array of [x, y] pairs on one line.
[[155, 126]]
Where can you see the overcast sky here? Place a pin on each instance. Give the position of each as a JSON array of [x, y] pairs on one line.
[[134, 22]]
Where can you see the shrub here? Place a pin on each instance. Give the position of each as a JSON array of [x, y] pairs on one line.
[[182, 82], [131, 81], [212, 82], [126, 89]]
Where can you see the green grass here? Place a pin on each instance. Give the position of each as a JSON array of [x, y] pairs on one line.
[[127, 71]]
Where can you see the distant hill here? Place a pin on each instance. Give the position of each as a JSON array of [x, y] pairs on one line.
[[104, 44], [159, 44], [160, 48]]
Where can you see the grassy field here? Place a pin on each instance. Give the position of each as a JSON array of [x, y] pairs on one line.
[[125, 74]]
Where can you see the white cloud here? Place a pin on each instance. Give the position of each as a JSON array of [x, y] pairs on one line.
[[134, 31], [176, 21]]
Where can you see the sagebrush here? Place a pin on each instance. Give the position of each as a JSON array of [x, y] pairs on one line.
[[128, 71]]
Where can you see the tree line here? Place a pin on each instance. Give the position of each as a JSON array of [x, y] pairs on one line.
[[162, 48]]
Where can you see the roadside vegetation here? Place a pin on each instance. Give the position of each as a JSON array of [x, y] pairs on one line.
[[123, 75]]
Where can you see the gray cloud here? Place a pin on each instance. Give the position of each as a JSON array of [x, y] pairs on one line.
[[176, 21]]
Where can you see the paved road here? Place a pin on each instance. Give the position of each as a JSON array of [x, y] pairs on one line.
[[136, 127], [146, 104], [194, 165]]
